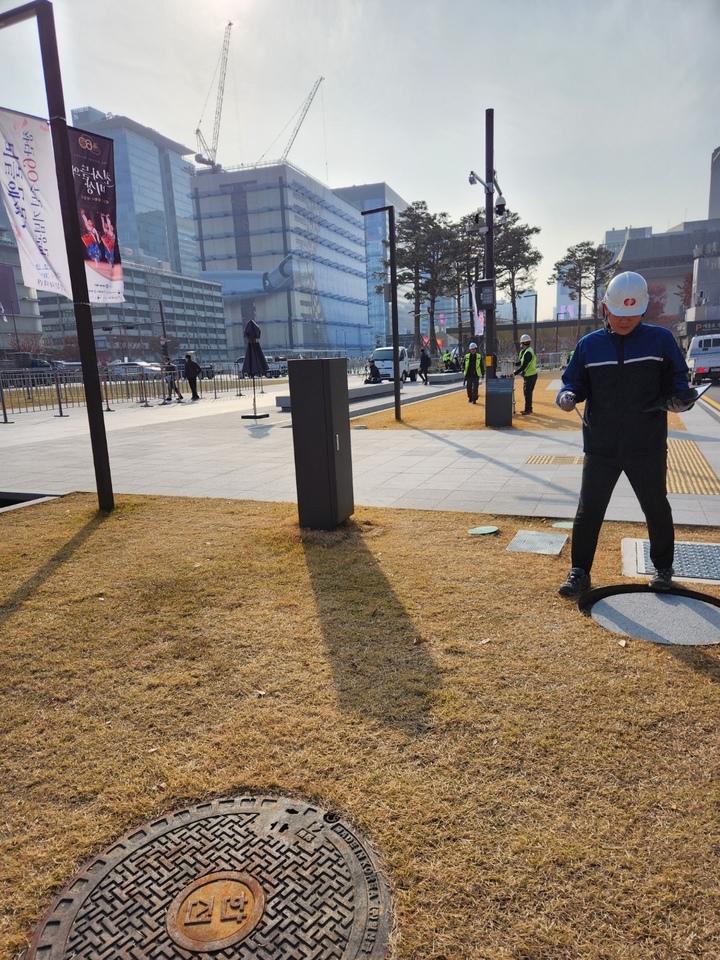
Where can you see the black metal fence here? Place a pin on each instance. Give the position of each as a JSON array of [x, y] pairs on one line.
[[34, 390]]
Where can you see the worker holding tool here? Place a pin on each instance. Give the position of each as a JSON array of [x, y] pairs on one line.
[[629, 374]]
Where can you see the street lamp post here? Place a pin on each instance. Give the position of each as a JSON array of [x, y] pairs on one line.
[[487, 286], [390, 210], [42, 12]]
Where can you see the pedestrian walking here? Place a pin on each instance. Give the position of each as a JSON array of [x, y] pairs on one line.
[[526, 367], [424, 365], [192, 372], [629, 374], [472, 372], [170, 374]]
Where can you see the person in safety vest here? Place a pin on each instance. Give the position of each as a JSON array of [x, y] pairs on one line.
[[629, 374], [472, 372], [527, 368], [447, 359]]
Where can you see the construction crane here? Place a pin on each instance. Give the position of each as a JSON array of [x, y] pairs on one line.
[[303, 111], [207, 155], [305, 108]]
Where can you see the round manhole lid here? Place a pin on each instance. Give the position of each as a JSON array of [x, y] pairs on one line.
[[236, 879]]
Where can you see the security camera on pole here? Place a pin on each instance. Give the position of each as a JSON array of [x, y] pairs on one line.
[[498, 406]]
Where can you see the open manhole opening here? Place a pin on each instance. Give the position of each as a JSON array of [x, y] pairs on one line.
[[11, 501], [233, 879]]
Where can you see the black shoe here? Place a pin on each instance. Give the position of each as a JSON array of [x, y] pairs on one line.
[[577, 582], [524, 413], [662, 580]]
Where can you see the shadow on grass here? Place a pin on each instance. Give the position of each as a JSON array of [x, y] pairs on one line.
[[26, 590], [698, 660], [382, 669]]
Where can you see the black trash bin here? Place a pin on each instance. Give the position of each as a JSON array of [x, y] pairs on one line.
[[499, 402], [321, 441]]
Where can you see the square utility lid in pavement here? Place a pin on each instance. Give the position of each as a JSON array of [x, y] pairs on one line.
[[530, 541]]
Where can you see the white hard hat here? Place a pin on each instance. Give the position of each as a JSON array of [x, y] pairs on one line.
[[525, 338], [472, 346], [627, 295]]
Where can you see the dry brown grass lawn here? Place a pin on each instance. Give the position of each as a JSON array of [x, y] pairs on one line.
[[537, 790], [453, 412]]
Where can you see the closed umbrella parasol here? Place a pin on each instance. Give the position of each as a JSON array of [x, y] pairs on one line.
[[254, 364]]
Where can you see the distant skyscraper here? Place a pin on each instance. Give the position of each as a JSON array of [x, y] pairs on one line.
[[154, 205], [370, 196], [289, 253], [714, 209]]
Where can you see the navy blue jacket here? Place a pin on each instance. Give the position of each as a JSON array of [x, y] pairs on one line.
[[619, 377]]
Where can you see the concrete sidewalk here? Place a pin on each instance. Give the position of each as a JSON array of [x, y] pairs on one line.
[[206, 449]]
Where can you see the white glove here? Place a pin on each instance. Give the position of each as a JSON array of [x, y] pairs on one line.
[[675, 405], [566, 400]]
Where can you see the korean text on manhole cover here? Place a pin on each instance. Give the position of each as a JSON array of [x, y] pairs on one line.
[[235, 879]]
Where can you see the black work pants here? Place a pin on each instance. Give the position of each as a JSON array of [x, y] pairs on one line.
[[472, 384], [528, 387], [647, 476]]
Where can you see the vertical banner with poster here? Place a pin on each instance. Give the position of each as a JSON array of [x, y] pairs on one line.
[[28, 181], [93, 164]]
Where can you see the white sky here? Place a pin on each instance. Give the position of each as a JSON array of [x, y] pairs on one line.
[[606, 113]]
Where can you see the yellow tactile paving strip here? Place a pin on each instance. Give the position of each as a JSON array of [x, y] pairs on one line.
[[546, 459], [688, 470]]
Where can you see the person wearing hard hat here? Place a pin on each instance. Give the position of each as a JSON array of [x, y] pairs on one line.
[[526, 367], [629, 374], [472, 372]]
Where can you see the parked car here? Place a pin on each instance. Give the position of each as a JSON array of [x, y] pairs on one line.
[[703, 358], [278, 367], [133, 370]]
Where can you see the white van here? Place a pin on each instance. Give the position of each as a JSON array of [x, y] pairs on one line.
[[703, 358]]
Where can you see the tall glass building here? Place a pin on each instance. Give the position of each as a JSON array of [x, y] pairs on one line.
[[289, 253], [158, 303], [153, 180], [371, 196]]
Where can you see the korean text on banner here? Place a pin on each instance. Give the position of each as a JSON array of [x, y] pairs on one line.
[[29, 190], [93, 164]]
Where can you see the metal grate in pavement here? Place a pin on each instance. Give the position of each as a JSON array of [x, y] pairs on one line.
[[530, 541], [694, 561]]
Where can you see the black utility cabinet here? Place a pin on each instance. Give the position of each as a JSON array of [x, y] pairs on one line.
[[321, 440], [499, 402]]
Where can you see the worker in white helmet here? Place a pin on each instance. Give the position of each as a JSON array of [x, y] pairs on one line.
[[526, 367], [472, 372], [629, 374]]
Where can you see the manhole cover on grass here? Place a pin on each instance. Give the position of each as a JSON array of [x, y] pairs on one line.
[[530, 541], [681, 617], [234, 879]]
